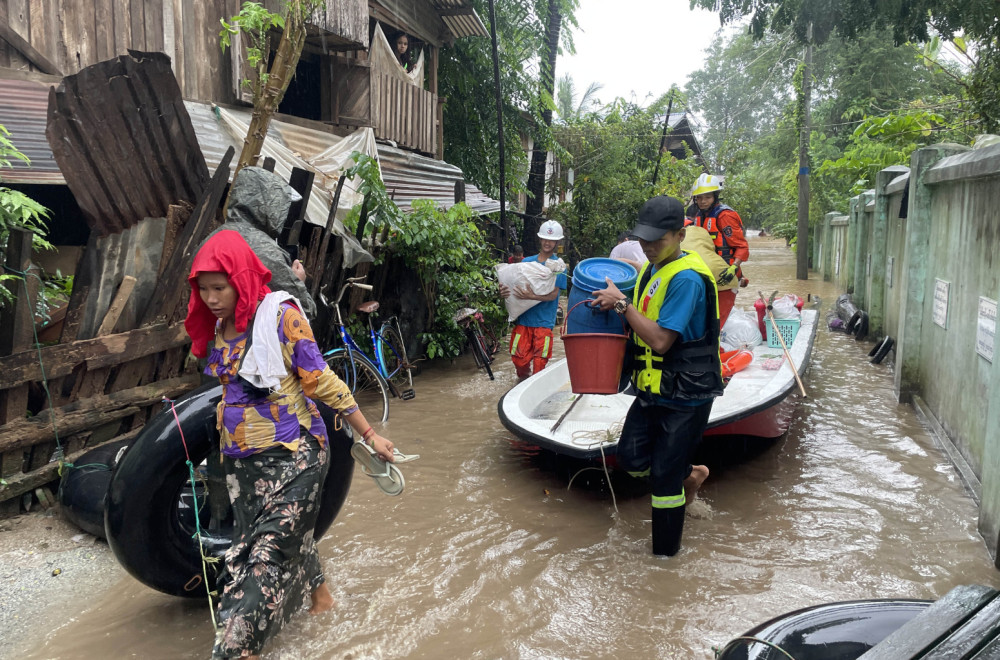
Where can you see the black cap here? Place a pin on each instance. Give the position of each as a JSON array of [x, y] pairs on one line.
[[658, 216]]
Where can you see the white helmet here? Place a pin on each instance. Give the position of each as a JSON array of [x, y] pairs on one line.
[[706, 183], [550, 231]]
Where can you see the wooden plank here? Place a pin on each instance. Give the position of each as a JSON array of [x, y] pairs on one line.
[[30, 54], [20, 22], [61, 359], [45, 30], [104, 29], [974, 633], [16, 334], [932, 625], [167, 293], [95, 410], [122, 24], [4, 48], [23, 483], [153, 17], [137, 23]]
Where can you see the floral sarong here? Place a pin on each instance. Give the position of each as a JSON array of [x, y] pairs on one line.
[[273, 561]]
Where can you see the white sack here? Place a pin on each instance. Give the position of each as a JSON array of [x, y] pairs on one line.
[[540, 278], [741, 330], [785, 307]]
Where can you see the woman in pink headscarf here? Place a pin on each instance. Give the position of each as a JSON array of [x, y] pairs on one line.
[[274, 442]]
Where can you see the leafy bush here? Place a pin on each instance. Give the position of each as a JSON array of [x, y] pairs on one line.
[[18, 211], [446, 249]]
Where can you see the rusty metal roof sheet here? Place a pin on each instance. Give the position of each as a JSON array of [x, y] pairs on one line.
[[409, 176], [124, 141], [461, 19], [22, 112]]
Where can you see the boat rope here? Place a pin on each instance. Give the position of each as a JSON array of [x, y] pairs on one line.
[[758, 640], [205, 561], [600, 439]]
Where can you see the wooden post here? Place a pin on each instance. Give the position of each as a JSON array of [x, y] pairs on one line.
[[802, 228], [16, 335]]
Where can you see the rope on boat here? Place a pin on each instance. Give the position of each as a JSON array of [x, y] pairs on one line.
[[205, 561], [758, 640], [599, 439]]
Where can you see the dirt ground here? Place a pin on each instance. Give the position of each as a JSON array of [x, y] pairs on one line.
[[48, 568]]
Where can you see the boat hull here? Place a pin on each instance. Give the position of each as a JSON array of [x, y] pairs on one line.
[[758, 403]]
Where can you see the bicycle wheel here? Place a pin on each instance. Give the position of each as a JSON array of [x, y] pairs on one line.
[[368, 387], [478, 342], [392, 352]]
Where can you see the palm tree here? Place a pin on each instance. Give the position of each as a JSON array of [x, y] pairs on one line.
[[566, 106]]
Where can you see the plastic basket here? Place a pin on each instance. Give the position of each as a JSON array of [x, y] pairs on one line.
[[788, 329]]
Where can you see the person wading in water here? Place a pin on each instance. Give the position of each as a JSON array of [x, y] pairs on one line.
[[274, 442], [673, 363]]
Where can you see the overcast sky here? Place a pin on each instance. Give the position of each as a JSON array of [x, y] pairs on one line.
[[637, 46]]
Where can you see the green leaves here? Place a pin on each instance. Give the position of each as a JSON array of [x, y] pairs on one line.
[[18, 211]]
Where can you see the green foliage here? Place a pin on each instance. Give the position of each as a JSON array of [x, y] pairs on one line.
[[879, 142], [18, 211], [256, 22], [455, 267], [380, 207], [465, 74], [446, 249], [613, 153]]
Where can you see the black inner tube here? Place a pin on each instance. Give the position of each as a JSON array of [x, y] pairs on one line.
[[150, 510]]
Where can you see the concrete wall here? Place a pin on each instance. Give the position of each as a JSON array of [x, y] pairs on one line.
[[927, 272]]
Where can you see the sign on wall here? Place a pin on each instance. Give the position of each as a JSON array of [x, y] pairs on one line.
[[940, 310], [986, 327]]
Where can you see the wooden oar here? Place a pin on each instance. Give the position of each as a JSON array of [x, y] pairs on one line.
[[795, 372]]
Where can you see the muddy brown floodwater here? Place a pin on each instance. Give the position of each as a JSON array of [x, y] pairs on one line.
[[488, 555]]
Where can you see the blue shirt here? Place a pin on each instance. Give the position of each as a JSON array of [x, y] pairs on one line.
[[683, 311], [543, 315]]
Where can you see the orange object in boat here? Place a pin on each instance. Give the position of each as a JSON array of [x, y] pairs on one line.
[[735, 361]]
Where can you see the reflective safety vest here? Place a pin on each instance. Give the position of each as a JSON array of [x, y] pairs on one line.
[[710, 223], [688, 371]]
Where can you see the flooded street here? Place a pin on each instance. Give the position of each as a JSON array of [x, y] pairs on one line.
[[488, 555]]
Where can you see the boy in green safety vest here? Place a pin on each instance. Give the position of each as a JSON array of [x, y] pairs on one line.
[[673, 364]]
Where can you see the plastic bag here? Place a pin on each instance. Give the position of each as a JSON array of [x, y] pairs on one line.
[[540, 278], [740, 331], [786, 307]]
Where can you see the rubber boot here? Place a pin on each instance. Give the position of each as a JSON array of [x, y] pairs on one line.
[[668, 526]]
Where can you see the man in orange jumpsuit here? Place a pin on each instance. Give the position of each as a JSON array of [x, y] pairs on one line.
[[531, 338], [725, 227]]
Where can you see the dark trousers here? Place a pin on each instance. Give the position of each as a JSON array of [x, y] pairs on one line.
[[658, 441]]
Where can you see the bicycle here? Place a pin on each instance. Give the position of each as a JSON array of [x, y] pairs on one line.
[[482, 340], [370, 380]]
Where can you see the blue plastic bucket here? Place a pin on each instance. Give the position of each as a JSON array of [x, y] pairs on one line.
[[588, 276]]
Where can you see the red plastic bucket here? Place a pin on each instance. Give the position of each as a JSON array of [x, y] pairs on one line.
[[594, 359]]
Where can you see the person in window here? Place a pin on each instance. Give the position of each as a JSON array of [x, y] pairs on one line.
[[402, 50]]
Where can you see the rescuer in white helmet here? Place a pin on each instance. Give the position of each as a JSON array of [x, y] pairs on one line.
[[531, 338], [725, 227]]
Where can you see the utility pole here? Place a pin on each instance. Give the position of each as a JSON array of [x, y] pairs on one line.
[[802, 233], [496, 84], [663, 138]]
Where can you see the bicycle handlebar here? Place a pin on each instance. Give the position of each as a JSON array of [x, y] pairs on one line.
[[366, 287]]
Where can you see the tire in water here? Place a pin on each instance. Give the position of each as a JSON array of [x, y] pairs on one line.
[[148, 527], [84, 486], [861, 329], [882, 349]]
